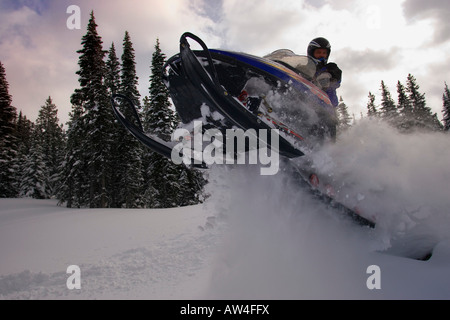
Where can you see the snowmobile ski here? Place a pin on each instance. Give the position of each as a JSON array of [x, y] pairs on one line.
[[134, 126], [311, 183]]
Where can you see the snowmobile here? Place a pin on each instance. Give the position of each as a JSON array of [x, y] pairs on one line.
[[223, 90]]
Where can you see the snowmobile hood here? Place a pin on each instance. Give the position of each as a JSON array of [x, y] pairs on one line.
[[278, 70]]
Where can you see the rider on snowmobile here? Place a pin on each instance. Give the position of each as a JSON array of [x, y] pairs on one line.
[[328, 76]]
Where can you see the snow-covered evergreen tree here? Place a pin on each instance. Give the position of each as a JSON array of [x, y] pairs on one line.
[[34, 182], [112, 79], [158, 117], [406, 117], [112, 83], [193, 183], [446, 108], [25, 129], [371, 107], [49, 135], [388, 108], [74, 189], [168, 185], [404, 105], [94, 121], [423, 117], [129, 156], [41, 163], [345, 120], [8, 140], [128, 77], [161, 175]]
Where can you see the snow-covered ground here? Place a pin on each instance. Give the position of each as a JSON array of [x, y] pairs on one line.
[[122, 254], [256, 237]]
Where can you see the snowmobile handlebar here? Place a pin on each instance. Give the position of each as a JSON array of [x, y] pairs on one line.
[[184, 45], [186, 48]]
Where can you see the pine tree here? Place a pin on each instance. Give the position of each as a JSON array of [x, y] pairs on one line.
[[345, 120], [74, 189], [49, 135], [92, 69], [129, 149], [404, 105], [423, 117], [446, 108], [112, 79], [193, 183], [8, 140], [128, 77], [40, 153], [388, 108], [35, 175], [371, 107], [162, 188], [112, 83], [160, 120], [91, 111], [25, 129], [168, 185], [406, 118]]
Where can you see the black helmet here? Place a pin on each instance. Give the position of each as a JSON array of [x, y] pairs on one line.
[[318, 43]]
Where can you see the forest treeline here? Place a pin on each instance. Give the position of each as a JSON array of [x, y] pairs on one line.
[[94, 162]]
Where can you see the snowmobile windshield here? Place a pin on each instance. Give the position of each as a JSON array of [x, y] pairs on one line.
[[301, 64]]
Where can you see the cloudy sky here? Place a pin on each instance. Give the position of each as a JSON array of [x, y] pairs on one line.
[[371, 40]]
